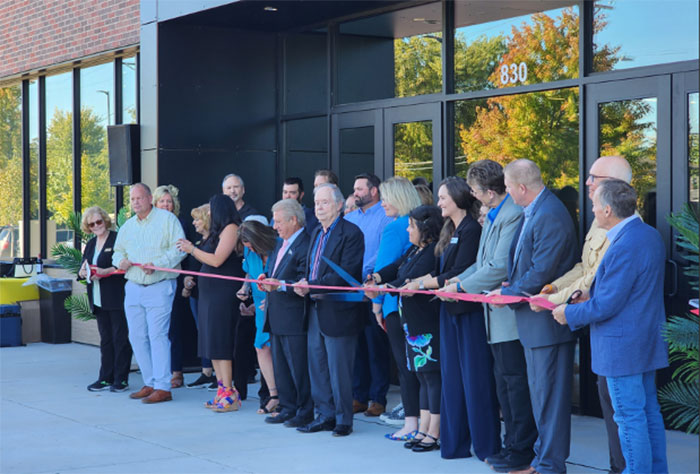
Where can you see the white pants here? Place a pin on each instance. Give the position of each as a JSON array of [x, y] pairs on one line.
[[147, 311]]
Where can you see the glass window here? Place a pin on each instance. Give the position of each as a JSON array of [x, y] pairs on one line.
[[35, 236], [59, 158], [628, 128], [413, 150], [396, 54], [129, 72], [96, 113], [693, 150], [640, 33], [305, 73], [504, 46], [541, 126], [10, 171], [356, 155], [306, 151]]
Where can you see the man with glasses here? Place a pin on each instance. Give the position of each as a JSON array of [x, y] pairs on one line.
[[581, 276]]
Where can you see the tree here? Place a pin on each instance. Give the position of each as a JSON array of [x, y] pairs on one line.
[[10, 155]]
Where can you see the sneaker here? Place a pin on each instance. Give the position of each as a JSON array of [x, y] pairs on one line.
[[214, 386], [119, 387], [99, 386], [202, 381], [395, 417]]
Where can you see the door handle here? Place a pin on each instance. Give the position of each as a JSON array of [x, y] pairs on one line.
[[674, 272]]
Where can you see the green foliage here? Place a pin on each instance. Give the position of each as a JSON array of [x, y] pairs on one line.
[[123, 216], [67, 257], [680, 401], [682, 336], [79, 307], [686, 225]]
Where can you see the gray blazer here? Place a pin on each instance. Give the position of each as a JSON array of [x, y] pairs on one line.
[[491, 268]]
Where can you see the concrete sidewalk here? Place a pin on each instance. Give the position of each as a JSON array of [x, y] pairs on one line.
[[50, 423]]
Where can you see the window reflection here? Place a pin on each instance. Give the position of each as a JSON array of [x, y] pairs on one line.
[[628, 128], [632, 33], [413, 150], [10, 171], [397, 54], [693, 149], [499, 47], [129, 72], [59, 158], [96, 113], [306, 151]]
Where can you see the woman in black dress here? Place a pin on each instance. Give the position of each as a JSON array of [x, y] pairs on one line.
[[106, 296], [469, 406], [420, 320], [218, 311]]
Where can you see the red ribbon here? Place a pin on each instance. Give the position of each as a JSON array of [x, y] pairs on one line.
[[469, 297]]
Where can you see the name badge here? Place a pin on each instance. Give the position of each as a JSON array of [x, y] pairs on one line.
[[107, 250], [454, 240]]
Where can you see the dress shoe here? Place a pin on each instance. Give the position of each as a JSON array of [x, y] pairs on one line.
[[375, 409], [528, 470], [497, 458], [342, 430], [143, 393], [423, 447], [357, 407], [510, 463], [158, 396], [279, 418], [296, 422], [317, 425]]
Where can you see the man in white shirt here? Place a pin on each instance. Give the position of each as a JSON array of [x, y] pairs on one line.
[[149, 238]]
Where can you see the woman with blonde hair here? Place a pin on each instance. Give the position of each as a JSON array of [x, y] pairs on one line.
[[399, 198], [106, 296]]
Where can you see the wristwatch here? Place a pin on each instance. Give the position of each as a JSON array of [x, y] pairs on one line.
[[421, 285]]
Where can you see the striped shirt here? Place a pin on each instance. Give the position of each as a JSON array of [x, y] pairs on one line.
[[150, 240]]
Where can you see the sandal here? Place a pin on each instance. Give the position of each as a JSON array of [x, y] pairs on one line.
[[177, 380], [230, 401], [405, 437], [423, 447], [415, 440], [215, 401], [264, 410]]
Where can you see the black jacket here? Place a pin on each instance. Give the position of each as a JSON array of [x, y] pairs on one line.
[[111, 287], [346, 247], [285, 311]]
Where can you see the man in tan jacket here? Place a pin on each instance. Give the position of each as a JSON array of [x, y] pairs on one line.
[[581, 276]]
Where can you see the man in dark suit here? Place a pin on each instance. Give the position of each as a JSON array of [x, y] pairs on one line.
[[626, 314], [333, 323], [543, 248], [293, 188], [286, 316]]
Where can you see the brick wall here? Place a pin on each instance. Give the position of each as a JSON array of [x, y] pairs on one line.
[[36, 34]]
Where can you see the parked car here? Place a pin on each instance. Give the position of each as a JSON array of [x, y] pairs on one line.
[[9, 242]]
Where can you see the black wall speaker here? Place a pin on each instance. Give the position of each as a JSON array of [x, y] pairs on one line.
[[124, 154]]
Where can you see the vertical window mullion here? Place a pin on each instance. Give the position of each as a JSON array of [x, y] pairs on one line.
[[26, 172], [77, 151], [43, 211], [118, 120]]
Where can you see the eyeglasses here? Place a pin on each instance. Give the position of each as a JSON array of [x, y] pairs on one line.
[[96, 223], [593, 177]]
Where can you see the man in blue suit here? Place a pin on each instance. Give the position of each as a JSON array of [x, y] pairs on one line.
[[626, 314], [543, 249]]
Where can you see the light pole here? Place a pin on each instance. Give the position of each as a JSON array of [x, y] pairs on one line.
[[108, 108]]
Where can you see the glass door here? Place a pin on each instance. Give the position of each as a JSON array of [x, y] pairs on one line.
[[412, 143], [357, 146]]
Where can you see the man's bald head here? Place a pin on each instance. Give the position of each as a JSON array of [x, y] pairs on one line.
[[607, 167]]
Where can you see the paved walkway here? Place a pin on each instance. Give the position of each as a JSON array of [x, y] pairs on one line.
[[50, 423]]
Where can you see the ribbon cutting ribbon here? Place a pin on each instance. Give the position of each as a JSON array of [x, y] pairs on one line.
[[468, 297]]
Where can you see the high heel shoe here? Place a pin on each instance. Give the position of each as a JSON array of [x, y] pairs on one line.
[[215, 401], [230, 401], [415, 440]]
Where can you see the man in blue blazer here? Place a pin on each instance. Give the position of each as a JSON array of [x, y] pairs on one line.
[[626, 314], [543, 248], [333, 323], [285, 313]]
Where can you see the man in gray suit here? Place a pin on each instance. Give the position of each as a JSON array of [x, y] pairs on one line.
[[543, 249], [485, 177]]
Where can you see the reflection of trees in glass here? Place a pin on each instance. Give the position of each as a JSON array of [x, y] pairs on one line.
[[94, 162], [693, 151], [10, 155], [413, 150], [418, 65], [628, 128]]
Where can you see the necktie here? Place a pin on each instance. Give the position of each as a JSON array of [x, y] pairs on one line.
[[280, 255]]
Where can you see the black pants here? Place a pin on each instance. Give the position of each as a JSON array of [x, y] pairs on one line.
[[410, 387], [513, 393], [244, 354], [430, 391], [370, 379], [115, 350], [617, 460]]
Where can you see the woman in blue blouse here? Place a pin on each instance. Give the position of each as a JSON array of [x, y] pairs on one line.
[[259, 241], [399, 198]]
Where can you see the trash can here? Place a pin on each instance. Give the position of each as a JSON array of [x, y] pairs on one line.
[[10, 325], [55, 320]]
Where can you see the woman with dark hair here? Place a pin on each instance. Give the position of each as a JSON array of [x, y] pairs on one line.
[[259, 241], [218, 313], [469, 407], [419, 318]]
